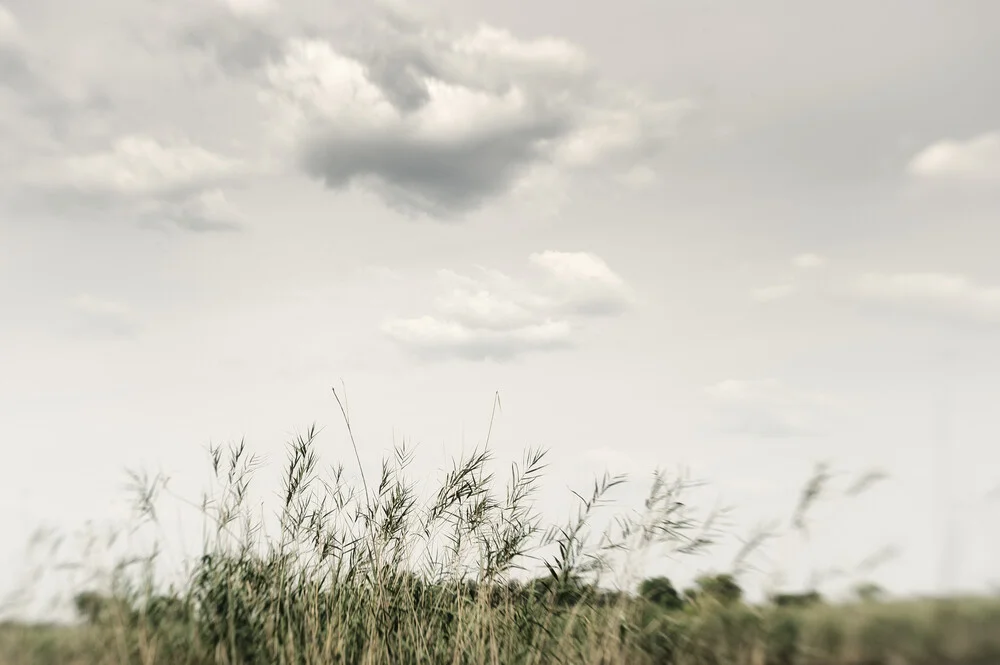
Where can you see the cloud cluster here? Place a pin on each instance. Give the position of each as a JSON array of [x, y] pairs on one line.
[[431, 121], [976, 159], [436, 123], [493, 316], [66, 148], [767, 408], [156, 181]]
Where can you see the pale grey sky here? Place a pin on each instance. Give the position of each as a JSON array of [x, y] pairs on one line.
[[741, 236]]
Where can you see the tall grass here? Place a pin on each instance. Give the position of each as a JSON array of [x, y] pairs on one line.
[[380, 573]]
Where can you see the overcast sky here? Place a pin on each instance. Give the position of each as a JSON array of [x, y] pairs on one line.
[[744, 237]]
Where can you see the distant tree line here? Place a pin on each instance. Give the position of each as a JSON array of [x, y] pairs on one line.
[[722, 589]]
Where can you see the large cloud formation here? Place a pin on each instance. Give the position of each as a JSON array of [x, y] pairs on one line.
[[433, 122], [493, 316], [437, 123]]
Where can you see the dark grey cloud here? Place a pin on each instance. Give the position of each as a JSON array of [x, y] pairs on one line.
[[15, 73], [462, 117], [239, 46], [437, 124], [441, 179]]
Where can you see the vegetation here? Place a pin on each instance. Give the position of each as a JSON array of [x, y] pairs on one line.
[[377, 574]]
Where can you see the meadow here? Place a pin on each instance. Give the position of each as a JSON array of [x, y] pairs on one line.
[[376, 571]]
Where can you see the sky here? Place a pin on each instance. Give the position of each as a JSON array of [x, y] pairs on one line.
[[737, 238]]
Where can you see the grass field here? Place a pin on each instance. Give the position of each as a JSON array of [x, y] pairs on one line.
[[376, 574]]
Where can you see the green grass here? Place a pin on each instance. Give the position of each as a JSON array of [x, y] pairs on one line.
[[378, 573]]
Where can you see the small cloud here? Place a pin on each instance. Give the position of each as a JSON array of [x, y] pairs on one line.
[[494, 316], [808, 261], [432, 337], [975, 159], [584, 283], [104, 317], [935, 294], [207, 212], [767, 408], [772, 293]]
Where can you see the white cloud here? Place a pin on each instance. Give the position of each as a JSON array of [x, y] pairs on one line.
[[767, 408], [583, 282], [140, 166], [494, 316], [931, 293], [546, 56], [626, 131], [156, 181], [437, 124], [486, 310], [975, 159], [430, 336], [210, 210], [772, 293], [808, 261]]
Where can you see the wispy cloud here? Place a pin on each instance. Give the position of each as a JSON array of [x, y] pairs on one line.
[[160, 182], [934, 296], [931, 293], [209, 211], [975, 159], [809, 261]]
